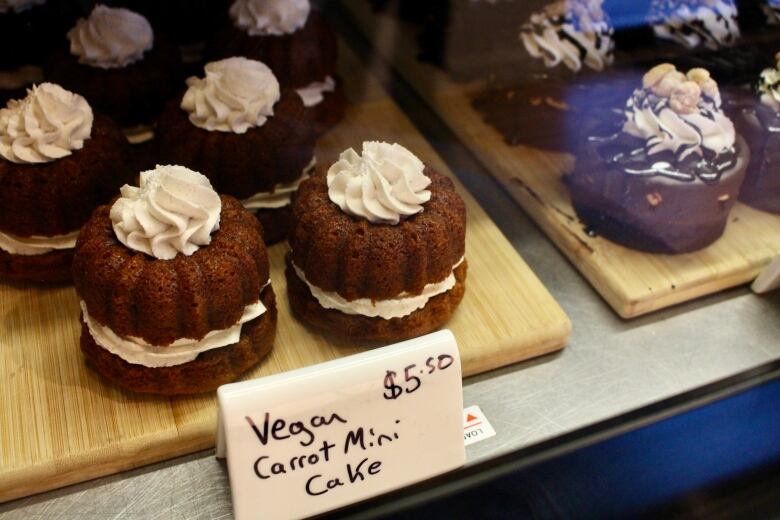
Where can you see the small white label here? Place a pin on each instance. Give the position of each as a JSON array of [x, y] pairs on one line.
[[769, 279], [324, 436], [476, 427]]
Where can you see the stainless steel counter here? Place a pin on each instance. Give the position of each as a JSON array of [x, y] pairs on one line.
[[609, 367]]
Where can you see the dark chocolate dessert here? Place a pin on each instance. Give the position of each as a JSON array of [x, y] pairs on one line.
[[757, 118], [564, 40], [252, 139], [297, 45], [117, 63], [666, 179], [710, 24]]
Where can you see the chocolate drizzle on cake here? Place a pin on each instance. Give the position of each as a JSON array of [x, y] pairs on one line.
[[694, 23]]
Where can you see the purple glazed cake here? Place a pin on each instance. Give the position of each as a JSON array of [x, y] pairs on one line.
[[667, 178]]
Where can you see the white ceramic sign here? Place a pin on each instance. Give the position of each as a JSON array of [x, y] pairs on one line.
[[321, 437], [769, 279]]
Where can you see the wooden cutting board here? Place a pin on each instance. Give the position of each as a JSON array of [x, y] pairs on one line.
[[632, 282], [60, 423]]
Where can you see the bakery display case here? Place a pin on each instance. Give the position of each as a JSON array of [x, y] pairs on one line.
[[581, 191]]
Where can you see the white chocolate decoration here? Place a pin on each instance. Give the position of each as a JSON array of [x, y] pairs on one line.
[[174, 210], [269, 17], [111, 38], [235, 95], [382, 184], [49, 124]]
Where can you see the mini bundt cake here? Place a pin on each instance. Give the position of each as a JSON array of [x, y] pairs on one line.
[[377, 246], [298, 46], [117, 63], [58, 162], [174, 287], [248, 136]]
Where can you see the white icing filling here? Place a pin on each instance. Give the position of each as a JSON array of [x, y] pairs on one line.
[[48, 124], [111, 37], [138, 352], [403, 305], [235, 95], [381, 185], [36, 245], [313, 93], [270, 17], [18, 6], [174, 210], [282, 194]]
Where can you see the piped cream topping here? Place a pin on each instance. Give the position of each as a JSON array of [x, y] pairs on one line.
[[18, 6], [282, 194], [570, 32], [174, 210], [235, 95], [269, 17], [709, 23], [769, 86], [138, 352], [111, 37], [313, 93], [398, 307], [48, 124], [382, 184], [36, 245], [680, 113]]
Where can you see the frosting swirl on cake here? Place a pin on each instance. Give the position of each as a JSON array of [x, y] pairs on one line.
[[679, 113], [174, 210], [693, 23], [769, 86], [48, 124], [18, 6], [383, 184], [111, 37], [570, 32], [270, 17], [236, 94]]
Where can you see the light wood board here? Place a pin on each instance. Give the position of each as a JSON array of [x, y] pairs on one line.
[[60, 423], [632, 282]]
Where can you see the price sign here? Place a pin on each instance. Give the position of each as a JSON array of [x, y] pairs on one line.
[[769, 279], [321, 437]]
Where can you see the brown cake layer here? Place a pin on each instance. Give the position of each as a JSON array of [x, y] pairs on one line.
[[653, 213], [327, 114], [358, 259], [205, 373], [58, 197], [436, 312], [241, 165], [131, 95], [164, 300], [51, 267], [297, 59], [275, 222]]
